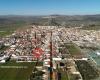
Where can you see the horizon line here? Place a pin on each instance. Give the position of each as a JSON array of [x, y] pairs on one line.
[[47, 14]]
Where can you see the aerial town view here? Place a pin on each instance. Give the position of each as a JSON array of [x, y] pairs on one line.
[[49, 40]]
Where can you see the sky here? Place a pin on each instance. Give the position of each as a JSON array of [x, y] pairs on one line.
[[48, 7]]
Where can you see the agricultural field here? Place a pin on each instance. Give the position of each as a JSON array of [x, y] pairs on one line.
[[7, 29], [16, 71]]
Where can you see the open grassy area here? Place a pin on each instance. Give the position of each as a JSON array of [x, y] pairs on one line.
[[70, 48], [7, 29], [4, 33], [16, 71], [73, 49], [64, 76], [95, 27]]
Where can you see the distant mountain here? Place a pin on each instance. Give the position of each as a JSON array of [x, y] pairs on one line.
[[43, 20]]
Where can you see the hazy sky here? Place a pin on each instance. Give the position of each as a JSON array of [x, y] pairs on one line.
[[45, 7]]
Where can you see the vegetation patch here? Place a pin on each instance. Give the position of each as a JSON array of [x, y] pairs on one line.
[[16, 71], [72, 49], [87, 71]]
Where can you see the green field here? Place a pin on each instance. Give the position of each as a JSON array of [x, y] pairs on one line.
[[64, 76], [7, 29], [73, 49], [95, 27], [70, 48], [16, 71]]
